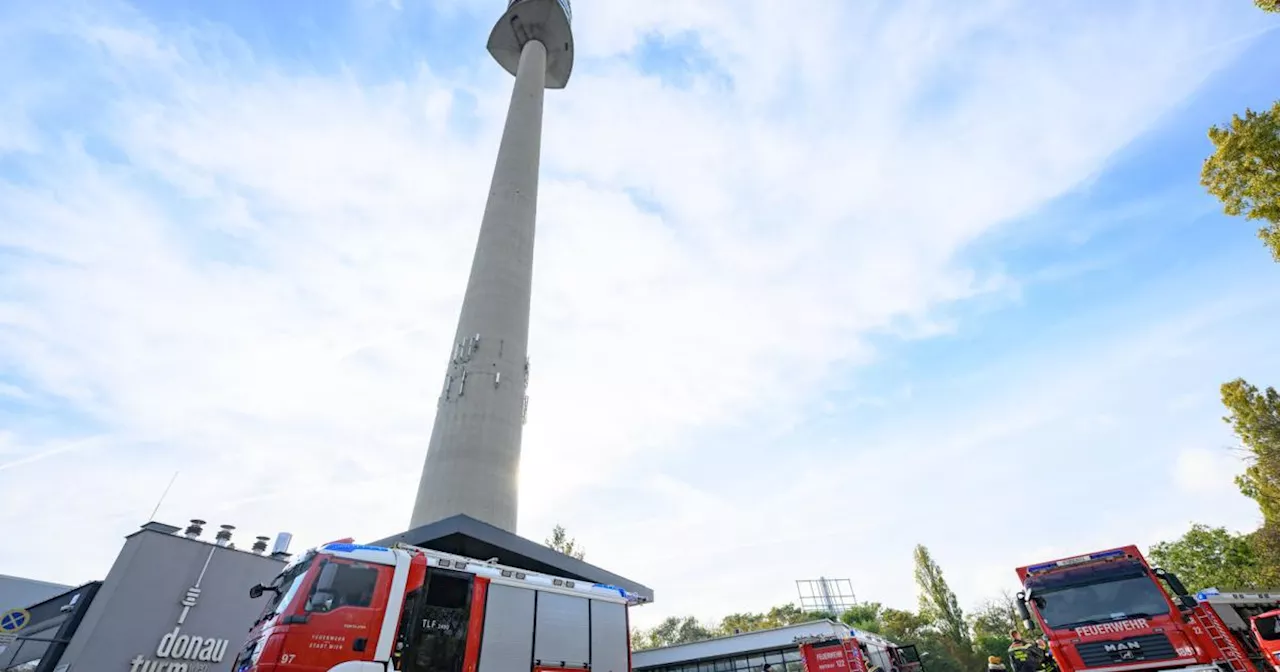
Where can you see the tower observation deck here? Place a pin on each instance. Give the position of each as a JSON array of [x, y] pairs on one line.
[[546, 21], [473, 459]]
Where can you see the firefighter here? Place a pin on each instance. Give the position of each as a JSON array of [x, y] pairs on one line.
[[1047, 663], [1023, 657], [994, 664]]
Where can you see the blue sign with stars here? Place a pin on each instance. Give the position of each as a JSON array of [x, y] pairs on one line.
[[14, 620]]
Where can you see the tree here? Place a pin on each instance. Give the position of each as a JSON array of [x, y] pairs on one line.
[[939, 606], [1254, 415], [864, 616], [997, 617], [1210, 557], [991, 624], [1268, 5], [674, 630], [899, 625], [777, 617], [561, 542], [1244, 169]]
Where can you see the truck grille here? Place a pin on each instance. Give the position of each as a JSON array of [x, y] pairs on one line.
[[1127, 650]]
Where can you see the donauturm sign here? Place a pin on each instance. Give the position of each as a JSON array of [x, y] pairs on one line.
[[179, 651], [171, 603]]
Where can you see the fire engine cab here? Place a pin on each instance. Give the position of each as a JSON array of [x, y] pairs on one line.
[[1110, 611], [345, 607]]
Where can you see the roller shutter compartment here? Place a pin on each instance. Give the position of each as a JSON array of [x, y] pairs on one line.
[[563, 630], [508, 629], [608, 637]]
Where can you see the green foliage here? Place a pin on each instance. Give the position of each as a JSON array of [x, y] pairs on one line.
[[991, 624], [1244, 170], [991, 645], [903, 626], [864, 616], [1207, 557], [677, 630], [777, 617], [560, 541], [940, 608], [996, 617], [1266, 544], [1254, 415], [1210, 557], [674, 630], [1268, 5]]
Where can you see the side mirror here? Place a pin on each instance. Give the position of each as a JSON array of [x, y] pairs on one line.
[[1172, 579], [1023, 612], [257, 590], [1185, 602]]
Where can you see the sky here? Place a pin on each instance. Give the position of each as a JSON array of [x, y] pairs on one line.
[[814, 282]]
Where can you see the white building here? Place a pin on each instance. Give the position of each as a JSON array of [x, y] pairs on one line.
[[751, 651]]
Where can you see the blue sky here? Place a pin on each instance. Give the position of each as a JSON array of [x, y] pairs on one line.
[[816, 286]]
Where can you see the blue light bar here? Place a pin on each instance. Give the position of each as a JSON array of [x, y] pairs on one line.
[[347, 548], [606, 586], [1207, 593], [1077, 560]]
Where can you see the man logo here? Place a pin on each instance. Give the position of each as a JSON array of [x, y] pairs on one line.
[[1113, 647]]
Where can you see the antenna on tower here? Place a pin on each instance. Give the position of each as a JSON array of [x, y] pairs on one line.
[[162, 496]]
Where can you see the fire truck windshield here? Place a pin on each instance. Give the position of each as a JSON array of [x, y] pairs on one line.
[[285, 587], [1267, 626], [1101, 602]]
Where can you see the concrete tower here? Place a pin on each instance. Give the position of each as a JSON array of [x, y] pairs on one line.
[[473, 459]]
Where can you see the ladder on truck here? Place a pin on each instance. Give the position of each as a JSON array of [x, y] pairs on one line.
[[852, 654], [1222, 638]]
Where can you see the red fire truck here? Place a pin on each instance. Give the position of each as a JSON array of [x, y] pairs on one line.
[[346, 607], [1110, 612], [829, 653], [1253, 617], [1266, 629]]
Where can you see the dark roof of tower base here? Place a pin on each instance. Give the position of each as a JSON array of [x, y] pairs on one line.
[[466, 536]]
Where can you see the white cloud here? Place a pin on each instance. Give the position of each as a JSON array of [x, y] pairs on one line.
[[261, 293], [1202, 470]]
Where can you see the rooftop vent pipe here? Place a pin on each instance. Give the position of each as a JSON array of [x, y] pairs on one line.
[[260, 546], [194, 529], [223, 538]]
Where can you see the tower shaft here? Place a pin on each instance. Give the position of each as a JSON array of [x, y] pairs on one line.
[[473, 459]]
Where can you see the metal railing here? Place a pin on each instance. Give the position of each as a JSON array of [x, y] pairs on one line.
[[564, 4]]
